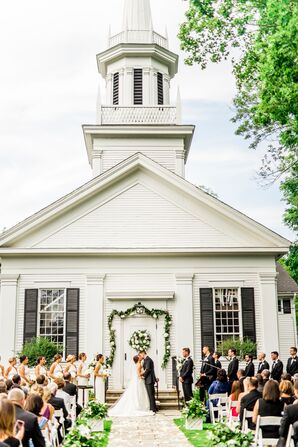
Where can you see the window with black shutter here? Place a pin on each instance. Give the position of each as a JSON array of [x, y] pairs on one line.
[[160, 98], [72, 321], [248, 313], [116, 88], [138, 86], [30, 314], [207, 317]]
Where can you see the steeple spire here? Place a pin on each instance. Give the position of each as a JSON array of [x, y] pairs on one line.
[[137, 15]]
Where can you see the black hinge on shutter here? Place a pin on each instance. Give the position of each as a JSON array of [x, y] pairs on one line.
[[116, 89], [72, 321], [248, 313], [207, 318], [138, 86], [30, 314], [160, 88]]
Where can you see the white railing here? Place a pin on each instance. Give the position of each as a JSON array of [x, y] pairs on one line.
[[138, 115], [138, 36]]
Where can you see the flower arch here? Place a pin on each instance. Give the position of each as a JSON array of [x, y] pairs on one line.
[[140, 309]]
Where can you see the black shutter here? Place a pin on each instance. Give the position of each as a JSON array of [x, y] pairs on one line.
[[72, 321], [207, 318], [116, 89], [160, 88], [248, 313], [138, 86], [30, 314]]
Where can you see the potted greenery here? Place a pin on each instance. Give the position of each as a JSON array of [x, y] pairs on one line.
[[194, 412], [81, 435], [95, 414], [222, 435]]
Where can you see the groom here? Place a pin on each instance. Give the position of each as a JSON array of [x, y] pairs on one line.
[[149, 377]]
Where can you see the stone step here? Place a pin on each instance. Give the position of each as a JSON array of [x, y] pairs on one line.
[[167, 399]]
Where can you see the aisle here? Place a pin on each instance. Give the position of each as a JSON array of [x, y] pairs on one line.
[[154, 431]]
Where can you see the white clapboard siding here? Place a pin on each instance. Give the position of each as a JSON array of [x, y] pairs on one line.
[[165, 157], [287, 336], [138, 218]]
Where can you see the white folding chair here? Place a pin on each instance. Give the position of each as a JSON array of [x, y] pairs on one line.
[[59, 415], [215, 408], [53, 425], [264, 421], [246, 415], [73, 408], [231, 418], [290, 441]]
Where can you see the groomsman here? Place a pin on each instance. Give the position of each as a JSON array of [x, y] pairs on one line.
[[263, 364], [292, 364], [250, 367], [233, 365], [207, 372], [277, 366], [186, 377]]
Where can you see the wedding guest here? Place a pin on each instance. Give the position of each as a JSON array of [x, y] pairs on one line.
[[265, 375], [8, 423], [292, 364], [34, 404], [186, 375], [234, 396], [16, 381], [2, 376], [83, 379], [42, 380], [263, 364], [9, 384], [286, 376], [287, 394], [100, 379], [48, 410], [269, 405], [277, 366], [71, 389], [290, 416], [220, 385], [11, 370], [40, 368], [233, 365], [58, 404], [24, 371], [261, 384], [207, 372], [62, 394], [32, 430], [241, 377], [3, 387], [248, 400], [250, 367], [56, 369]]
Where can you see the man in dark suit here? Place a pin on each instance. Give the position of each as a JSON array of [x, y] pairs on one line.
[[263, 364], [207, 372], [250, 367], [292, 364], [233, 365], [3, 445], [290, 416], [186, 373], [32, 430], [150, 379], [248, 401], [71, 389], [277, 366], [59, 404]]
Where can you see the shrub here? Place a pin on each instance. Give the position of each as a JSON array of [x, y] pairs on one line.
[[40, 346], [222, 435], [195, 409], [245, 346], [95, 410]]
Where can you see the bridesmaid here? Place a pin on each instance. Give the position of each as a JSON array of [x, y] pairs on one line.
[[83, 379], [71, 367], [40, 369], [11, 370], [56, 370], [24, 370], [100, 379]]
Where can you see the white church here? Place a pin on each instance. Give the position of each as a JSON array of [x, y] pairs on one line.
[[139, 235]]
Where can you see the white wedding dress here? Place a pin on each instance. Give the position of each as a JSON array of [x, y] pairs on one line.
[[134, 401]]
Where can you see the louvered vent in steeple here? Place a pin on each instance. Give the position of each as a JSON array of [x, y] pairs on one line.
[[138, 86], [115, 88]]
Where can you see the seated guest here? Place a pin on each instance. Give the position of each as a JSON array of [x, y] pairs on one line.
[[286, 376], [269, 405], [3, 387], [241, 377], [248, 400], [9, 384], [290, 416], [32, 430], [8, 423], [220, 385], [266, 376], [286, 392], [261, 384], [16, 381], [250, 367], [47, 410], [234, 396], [71, 389], [62, 394], [42, 380], [34, 404], [58, 404]]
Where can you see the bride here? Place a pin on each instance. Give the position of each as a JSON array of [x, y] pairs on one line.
[[134, 401]]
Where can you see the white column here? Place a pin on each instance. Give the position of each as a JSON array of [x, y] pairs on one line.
[[269, 324], [8, 306], [184, 312], [128, 87], [94, 315]]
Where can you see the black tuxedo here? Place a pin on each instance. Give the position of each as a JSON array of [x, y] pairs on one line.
[[150, 379], [32, 430], [292, 365], [59, 404], [72, 390], [186, 373], [290, 417], [232, 369], [248, 402], [277, 370], [208, 369], [263, 365], [250, 369]]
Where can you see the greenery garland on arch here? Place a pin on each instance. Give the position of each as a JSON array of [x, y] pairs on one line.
[[140, 309]]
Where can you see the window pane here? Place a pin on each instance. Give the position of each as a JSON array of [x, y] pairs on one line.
[[52, 314], [226, 303], [287, 306]]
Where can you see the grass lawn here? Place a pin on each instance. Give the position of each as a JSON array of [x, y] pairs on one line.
[[198, 438], [105, 439]]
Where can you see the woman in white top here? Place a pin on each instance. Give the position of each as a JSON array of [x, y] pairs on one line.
[[40, 369], [83, 379], [71, 368], [11, 370], [24, 370], [2, 375], [100, 379], [56, 370]]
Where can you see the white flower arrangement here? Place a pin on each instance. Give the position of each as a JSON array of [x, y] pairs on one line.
[[179, 363], [140, 340]]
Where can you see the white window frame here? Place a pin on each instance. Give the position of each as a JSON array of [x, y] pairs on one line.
[[281, 298], [239, 310], [64, 311]]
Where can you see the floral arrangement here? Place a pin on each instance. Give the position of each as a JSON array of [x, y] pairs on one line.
[[195, 408], [81, 435], [140, 340], [95, 410], [221, 435], [140, 309]]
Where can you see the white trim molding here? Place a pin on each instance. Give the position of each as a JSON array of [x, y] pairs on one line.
[[140, 296]]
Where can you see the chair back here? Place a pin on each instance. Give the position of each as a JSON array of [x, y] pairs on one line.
[[264, 421], [246, 415], [290, 442]]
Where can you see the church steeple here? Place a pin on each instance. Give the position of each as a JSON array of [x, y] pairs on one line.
[[137, 15]]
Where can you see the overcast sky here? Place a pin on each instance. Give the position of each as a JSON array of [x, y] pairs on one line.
[[48, 89]]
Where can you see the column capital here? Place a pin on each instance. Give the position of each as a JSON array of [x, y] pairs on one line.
[[268, 277], [97, 152], [180, 154], [9, 280], [184, 278], [95, 279]]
